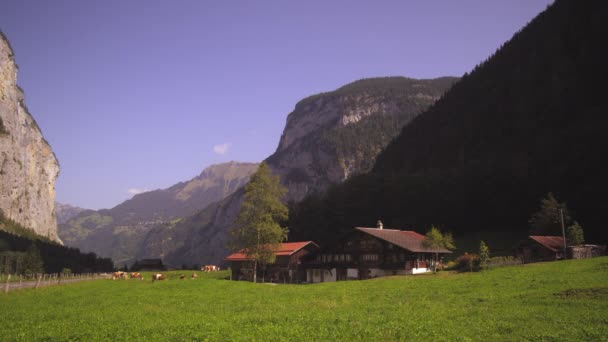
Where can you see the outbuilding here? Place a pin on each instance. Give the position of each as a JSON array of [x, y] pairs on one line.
[[286, 268]]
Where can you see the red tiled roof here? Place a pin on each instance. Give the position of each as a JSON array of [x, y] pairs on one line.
[[553, 243], [405, 239], [286, 248]]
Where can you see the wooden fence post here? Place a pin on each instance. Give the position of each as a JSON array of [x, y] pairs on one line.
[[38, 281], [8, 284]]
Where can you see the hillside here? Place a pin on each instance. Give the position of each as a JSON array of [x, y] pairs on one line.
[[529, 120], [328, 138], [28, 166], [118, 232], [15, 240], [65, 212], [557, 301]]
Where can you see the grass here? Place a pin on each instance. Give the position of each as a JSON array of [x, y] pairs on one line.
[[559, 301]]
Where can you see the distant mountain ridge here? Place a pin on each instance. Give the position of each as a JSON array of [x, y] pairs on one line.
[[64, 212], [117, 232], [327, 138]]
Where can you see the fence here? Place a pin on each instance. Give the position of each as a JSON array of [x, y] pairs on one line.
[[12, 282]]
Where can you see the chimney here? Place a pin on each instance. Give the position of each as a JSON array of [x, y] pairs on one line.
[[379, 224]]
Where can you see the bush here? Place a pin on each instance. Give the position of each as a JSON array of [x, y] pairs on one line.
[[467, 263]]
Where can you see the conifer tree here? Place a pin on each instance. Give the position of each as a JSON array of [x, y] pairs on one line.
[[547, 220], [257, 230]]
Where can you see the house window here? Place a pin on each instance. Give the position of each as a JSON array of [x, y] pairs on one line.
[[369, 257]]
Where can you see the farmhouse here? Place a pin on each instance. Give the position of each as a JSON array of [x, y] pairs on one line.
[[286, 268], [148, 265], [541, 248], [372, 252]]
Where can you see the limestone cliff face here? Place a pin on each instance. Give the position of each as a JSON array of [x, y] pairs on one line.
[[332, 136], [28, 166]]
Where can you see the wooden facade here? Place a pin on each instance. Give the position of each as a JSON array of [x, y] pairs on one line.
[[372, 252], [541, 248], [286, 268]]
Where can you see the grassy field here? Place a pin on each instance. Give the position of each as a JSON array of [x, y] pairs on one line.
[[559, 301]]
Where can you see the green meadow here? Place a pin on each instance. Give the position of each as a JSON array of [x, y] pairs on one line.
[[558, 301]]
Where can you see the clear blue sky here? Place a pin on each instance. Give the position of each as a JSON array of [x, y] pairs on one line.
[[135, 95]]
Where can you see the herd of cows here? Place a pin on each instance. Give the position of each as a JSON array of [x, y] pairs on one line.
[[160, 276]]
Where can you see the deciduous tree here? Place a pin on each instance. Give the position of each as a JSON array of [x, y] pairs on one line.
[[484, 255], [257, 230], [434, 239], [575, 234]]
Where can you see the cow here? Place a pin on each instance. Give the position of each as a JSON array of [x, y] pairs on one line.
[[210, 268], [194, 276], [136, 275], [119, 275], [158, 276]]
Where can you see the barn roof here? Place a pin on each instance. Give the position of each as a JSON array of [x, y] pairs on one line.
[[553, 243], [286, 248], [405, 239]]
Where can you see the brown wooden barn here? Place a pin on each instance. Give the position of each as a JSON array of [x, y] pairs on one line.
[[541, 248], [286, 268], [372, 252]]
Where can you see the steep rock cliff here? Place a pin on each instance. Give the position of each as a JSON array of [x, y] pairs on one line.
[[331, 136], [28, 166]]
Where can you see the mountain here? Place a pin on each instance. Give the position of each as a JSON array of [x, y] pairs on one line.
[[332, 136], [118, 232], [328, 138], [528, 121], [28, 166], [64, 212]]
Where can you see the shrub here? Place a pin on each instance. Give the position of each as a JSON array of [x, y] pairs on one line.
[[467, 263]]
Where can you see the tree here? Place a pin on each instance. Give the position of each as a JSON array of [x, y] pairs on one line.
[[257, 228], [32, 261], [575, 234], [434, 239], [547, 220], [484, 255]]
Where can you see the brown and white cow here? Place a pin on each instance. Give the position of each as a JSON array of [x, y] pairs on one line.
[[210, 268], [136, 275], [119, 275], [158, 276]]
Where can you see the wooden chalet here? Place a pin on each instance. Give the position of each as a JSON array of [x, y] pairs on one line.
[[372, 252], [541, 248], [148, 265], [286, 268]]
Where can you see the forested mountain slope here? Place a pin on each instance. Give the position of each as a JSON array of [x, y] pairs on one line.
[[532, 119]]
